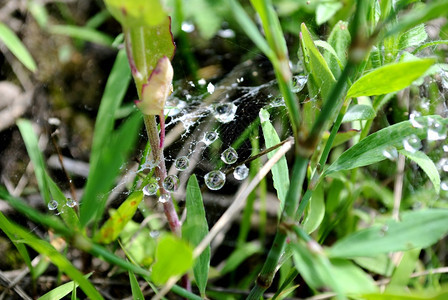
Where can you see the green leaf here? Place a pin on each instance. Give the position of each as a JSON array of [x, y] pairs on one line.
[[316, 210], [340, 40], [174, 257], [379, 264], [325, 10], [49, 251], [370, 150], [329, 58], [320, 76], [359, 112], [137, 12], [207, 15], [62, 290], [427, 165], [83, 33], [413, 37], [417, 229], [101, 177], [402, 273], [389, 78], [239, 255], [280, 174], [194, 229], [341, 136], [135, 287], [118, 220], [12, 42]]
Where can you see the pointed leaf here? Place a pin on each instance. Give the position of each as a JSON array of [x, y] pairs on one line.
[[359, 112], [427, 165], [135, 287], [137, 12]]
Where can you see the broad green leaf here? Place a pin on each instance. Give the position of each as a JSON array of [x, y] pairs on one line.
[[417, 229], [402, 273], [359, 112], [101, 178], [137, 12], [379, 264], [138, 243], [340, 40], [413, 37], [316, 210], [427, 165], [370, 150], [83, 33], [174, 257], [49, 251], [62, 290], [12, 42], [320, 77], [194, 229], [135, 287], [342, 137], [118, 220], [239, 255], [325, 10], [280, 173], [389, 78]]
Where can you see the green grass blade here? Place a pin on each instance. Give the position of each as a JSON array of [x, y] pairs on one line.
[[12, 42], [240, 255], [389, 78], [316, 210], [135, 287], [195, 229], [62, 290], [280, 172], [359, 112], [48, 250], [416, 229], [402, 273], [427, 165], [102, 176], [116, 87], [370, 150], [83, 33]]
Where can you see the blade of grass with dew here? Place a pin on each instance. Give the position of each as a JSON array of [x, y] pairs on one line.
[[417, 229], [110, 231], [370, 150], [62, 290], [17, 48], [359, 112], [83, 33], [48, 250], [280, 174], [174, 257], [427, 166], [135, 287], [101, 177], [389, 78], [194, 229]]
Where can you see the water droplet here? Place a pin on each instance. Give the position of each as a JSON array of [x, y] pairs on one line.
[[154, 234], [71, 202], [215, 180], [210, 88], [415, 114], [174, 106], [298, 83], [187, 27], [52, 205], [182, 163], [224, 112], [412, 143], [54, 121], [241, 172], [202, 81], [444, 185], [445, 148], [436, 131], [444, 79], [170, 183], [384, 230], [229, 156], [164, 198], [210, 137], [390, 153], [226, 33], [151, 189]]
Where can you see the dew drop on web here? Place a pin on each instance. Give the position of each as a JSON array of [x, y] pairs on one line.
[[151, 189], [436, 131], [241, 172], [164, 198], [299, 82], [444, 185], [224, 112], [170, 183], [229, 156], [415, 114], [210, 137], [390, 153], [182, 163], [215, 180], [154, 234], [71, 202], [412, 143], [52, 205], [210, 88], [443, 164]]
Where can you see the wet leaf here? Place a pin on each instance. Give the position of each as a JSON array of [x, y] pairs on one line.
[[427, 165], [413, 37], [174, 257], [137, 12], [110, 231], [359, 112], [389, 78], [416, 229]]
